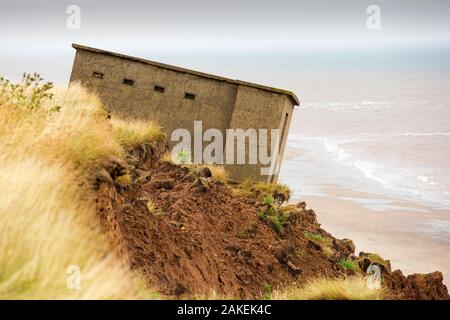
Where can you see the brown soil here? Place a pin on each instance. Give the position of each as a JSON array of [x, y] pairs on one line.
[[189, 235], [417, 286]]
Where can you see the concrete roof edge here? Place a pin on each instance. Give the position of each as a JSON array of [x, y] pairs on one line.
[[291, 95]]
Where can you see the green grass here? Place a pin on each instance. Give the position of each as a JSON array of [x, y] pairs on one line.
[[271, 189], [349, 264], [268, 200], [261, 215], [275, 223], [261, 190], [267, 291], [323, 242], [314, 237]]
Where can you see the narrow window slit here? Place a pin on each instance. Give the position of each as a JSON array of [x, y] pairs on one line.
[[283, 130], [159, 89], [190, 96], [128, 82], [97, 75]]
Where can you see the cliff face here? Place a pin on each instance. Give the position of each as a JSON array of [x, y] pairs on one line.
[[189, 234], [417, 286]]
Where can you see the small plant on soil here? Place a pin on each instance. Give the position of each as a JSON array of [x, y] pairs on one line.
[[182, 157], [349, 265], [277, 222], [277, 219], [268, 200], [218, 173], [261, 215], [290, 211], [282, 217], [249, 231], [244, 189], [260, 190], [378, 259], [313, 237], [124, 180], [271, 211], [323, 242], [327, 251], [267, 291], [279, 191], [152, 208]]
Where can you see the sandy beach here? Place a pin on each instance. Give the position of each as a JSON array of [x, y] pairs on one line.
[[402, 231], [396, 234]]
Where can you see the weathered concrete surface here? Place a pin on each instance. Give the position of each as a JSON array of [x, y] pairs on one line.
[[219, 102]]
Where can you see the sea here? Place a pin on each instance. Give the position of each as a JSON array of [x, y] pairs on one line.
[[377, 123]]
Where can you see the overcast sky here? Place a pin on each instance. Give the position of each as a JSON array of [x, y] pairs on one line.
[[35, 32]]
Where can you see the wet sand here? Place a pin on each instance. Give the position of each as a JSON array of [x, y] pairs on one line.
[[397, 232]]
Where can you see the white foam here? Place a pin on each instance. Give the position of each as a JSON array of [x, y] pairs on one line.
[[427, 179], [425, 134], [371, 170], [395, 178], [338, 153], [416, 183]]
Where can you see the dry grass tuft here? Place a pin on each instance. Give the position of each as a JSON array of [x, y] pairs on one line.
[[135, 132], [261, 190], [218, 173], [46, 228], [325, 243], [378, 259], [167, 157], [332, 289], [49, 139], [79, 133]]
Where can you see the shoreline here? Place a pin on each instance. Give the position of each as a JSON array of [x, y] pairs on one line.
[[398, 232]]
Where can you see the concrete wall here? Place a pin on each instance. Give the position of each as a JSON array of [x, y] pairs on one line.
[[213, 103], [255, 108], [219, 104]]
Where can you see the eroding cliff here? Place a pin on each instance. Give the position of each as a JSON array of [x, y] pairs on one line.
[[190, 235]]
